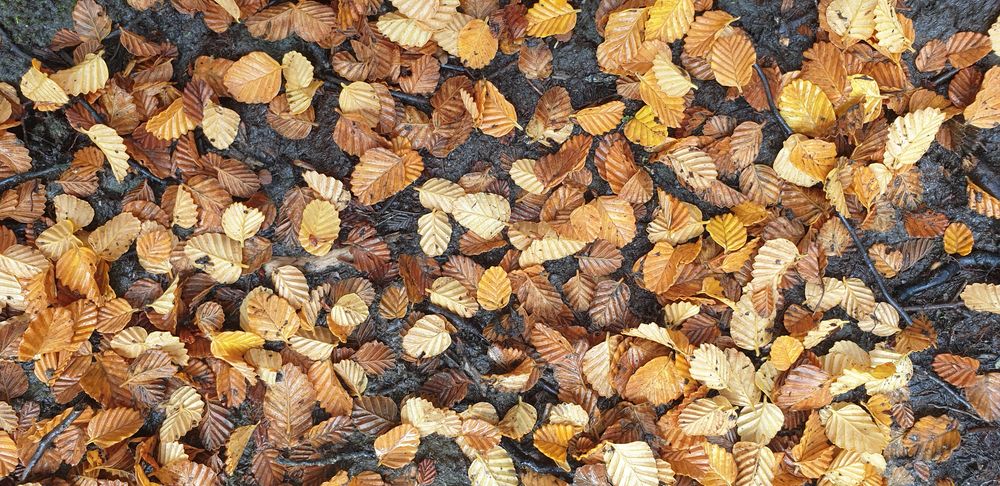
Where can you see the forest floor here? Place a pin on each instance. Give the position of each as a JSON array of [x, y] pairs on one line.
[[778, 37]]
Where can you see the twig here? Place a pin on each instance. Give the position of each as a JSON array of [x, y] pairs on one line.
[[944, 77], [8, 42], [770, 100], [875, 273], [943, 274], [46, 441], [416, 100], [351, 456], [947, 387], [501, 69], [930, 307], [452, 67], [17, 179]]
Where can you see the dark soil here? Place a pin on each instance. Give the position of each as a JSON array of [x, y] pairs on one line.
[[778, 36]]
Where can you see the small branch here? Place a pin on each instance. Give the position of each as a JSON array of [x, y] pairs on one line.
[[17, 179], [951, 391], [770, 101], [496, 72], [944, 77], [416, 100], [875, 273], [46, 441], [452, 67], [930, 307], [8, 42], [332, 460]]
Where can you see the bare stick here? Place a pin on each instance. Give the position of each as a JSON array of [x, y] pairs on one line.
[[930, 307], [17, 179], [770, 100], [337, 458], [875, 273], [46, 441], [951, 391]]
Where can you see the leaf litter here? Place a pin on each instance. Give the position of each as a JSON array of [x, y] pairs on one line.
[[749, 376]]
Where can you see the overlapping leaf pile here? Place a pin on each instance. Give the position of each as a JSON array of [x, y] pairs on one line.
[[751, 377]]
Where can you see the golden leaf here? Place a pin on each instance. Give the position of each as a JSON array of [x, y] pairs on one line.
[[216, 254], [518, 421], [494, 289], [476, 44], [707, 416], [241, 222], [403, 30], [552, 440], [397, 447], [888, 30], [495, 115], [440, 194], [806, 108], [759, 422], [220, 125], [728, 231], [600, 119], [755, 463], [732, 59], [38, 87], [550, 17], [910, 136], [435, 232], [73, 208], [381, 173], [110, 426], [785, 350], [319, 228], [236, 445], [113, 147], [672, 80], [86, 77], [452, 295], [631, 464], [254, 78], [171, 122], [428, 337]]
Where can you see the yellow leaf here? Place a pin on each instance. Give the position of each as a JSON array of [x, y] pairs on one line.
[[86, 77], [73, 208], [428, 337], [220, 125], [784, 351], [493, 468], [728, 231], [435, 232], [644, 130], [404, 31], [112, 240], [958, 239], [494, 289], [672, 80], [850, 427], [183, 411], [319, 228], [631, 464], [669, 20], [888, 29], [397, 447], [241, 222], [254, 78], [806, 108], [484, 214], [600, 119], [171, 122], [852, 20], [496, 116], [216, 254], [439, 193], [236, 445], [38, 87], [476, 44], [452, 295], [113, 147], [910, 136], [291, 284], [550, 17], [982, 297], [382, 173]]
